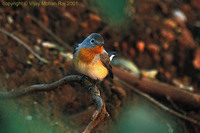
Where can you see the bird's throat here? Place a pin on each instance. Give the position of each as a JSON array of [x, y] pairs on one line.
[[87, 55], [98, 49]]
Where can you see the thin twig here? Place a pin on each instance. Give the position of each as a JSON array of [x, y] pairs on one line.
[[23, 44], [175, 106], [52, 34], [187, 118]]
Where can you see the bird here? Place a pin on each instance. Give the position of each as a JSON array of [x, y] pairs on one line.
[[91, 59]]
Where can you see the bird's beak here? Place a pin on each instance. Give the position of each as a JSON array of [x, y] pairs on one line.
[[101, 46], [97, 49]]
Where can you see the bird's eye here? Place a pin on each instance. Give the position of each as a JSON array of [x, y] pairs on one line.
[[92, 41]]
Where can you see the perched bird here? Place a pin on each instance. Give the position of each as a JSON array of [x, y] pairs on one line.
[[91, 59]]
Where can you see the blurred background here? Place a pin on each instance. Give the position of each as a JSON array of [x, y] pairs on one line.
[[160, 37]]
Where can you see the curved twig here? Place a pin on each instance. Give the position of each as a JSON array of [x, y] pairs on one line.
[[99, 114], [23, 44], [41, 87]]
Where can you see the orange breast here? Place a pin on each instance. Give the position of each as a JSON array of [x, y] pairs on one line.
[[87, 55]]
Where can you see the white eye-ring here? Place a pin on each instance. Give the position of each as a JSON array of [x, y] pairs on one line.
[[92, 41]]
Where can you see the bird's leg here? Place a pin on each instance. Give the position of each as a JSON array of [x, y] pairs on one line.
[[86, 78]]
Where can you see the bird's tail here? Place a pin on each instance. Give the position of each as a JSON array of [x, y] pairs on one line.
[[111, 54]]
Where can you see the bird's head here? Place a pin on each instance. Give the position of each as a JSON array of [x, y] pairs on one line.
[[94, 42]]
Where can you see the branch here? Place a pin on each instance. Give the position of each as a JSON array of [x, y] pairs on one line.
[[100, 112], [41, 87], [184, 117], [157, 88], [23, 44]]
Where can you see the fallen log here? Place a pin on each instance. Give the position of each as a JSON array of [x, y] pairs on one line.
[[158, 88]]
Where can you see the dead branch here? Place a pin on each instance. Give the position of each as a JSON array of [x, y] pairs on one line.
[[100, 112], [23, 44], [52, 34], [159, 89], [184, 117]]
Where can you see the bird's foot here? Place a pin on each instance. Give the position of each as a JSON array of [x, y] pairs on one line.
[[96, 82], [90, 87]]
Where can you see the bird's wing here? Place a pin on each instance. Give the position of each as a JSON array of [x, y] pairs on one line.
[[76, 48], [106, 62]]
